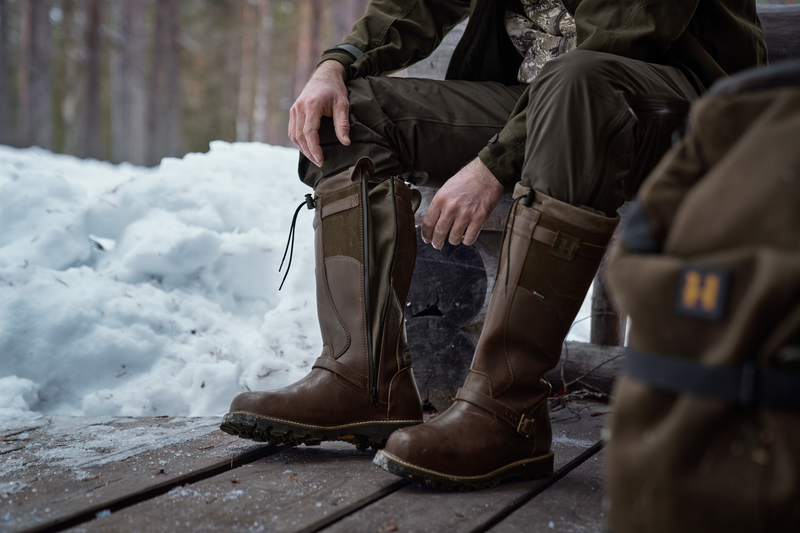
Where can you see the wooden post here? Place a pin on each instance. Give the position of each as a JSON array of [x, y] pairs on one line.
[[608, 324]]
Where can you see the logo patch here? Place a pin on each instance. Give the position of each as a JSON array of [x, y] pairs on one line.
[[703, 293], [565, 246]]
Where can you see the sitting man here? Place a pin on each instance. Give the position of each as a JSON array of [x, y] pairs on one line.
[[573, 136]]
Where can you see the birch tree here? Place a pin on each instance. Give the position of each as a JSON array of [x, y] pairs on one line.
[[5, 115], [261, 114], [92, 134], [34, 124], [164, 122], [128, 86]]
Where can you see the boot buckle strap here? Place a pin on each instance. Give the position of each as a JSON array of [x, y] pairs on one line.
[[340, 369], [526, 426], [338, 206]]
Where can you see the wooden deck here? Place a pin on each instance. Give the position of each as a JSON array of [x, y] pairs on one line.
[[183, 474]]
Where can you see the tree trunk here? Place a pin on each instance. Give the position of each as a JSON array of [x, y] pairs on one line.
[[92, 135], [164, 103], [128, 88], [244, 114], [35, 125], [261, 114], [308, 47], [5, 115]]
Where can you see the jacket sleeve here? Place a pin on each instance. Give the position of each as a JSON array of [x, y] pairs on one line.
[[394, 34], [639, 29]]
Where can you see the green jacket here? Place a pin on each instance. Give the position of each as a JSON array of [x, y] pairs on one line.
[[711, 38]]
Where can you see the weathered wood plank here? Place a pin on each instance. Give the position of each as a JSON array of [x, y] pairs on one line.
[[782, 27], [574, 503], [418, 508], [296, 490], [62, 469]]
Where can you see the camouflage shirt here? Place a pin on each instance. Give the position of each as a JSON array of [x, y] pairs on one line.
[[546, 31]]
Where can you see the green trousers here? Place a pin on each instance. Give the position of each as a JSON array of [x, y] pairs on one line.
[[596, 125]]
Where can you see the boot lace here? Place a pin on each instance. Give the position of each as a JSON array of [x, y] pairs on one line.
[[310, 204]]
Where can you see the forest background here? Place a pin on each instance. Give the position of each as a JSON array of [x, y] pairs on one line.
[[139, 80]]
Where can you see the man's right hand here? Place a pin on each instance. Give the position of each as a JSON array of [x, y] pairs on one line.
[[324, 94]]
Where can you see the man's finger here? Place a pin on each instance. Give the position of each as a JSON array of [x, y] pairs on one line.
[[311, 136], [471, 235], [440, 232], [341, 121], [429, 221], [457, 232]]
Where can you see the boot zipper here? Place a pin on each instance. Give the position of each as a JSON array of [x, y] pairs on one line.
[[373, 392], [373, 376], [621, 123]]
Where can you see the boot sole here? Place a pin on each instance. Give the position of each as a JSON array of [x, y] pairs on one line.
[[527, 469], [276, 431]]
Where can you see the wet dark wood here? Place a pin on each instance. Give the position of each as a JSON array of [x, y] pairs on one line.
[[288, 492], [574, 503], [419, 508], [66, 465], [63, 468]]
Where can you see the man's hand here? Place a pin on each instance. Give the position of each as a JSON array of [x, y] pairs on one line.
[[324, 94], [461, 206]]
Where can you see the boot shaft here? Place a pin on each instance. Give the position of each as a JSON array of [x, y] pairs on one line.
[[365, 251], [550, 254]]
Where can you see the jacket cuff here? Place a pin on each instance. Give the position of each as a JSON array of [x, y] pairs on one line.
[[343, 56], [504, 156]]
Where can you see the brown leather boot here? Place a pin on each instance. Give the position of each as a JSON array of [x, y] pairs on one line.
[[361, 388], [499, 425]]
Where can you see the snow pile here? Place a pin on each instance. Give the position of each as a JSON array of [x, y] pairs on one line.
[[127, 291]]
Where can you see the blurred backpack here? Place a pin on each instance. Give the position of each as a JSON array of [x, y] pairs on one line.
[[705, 434]]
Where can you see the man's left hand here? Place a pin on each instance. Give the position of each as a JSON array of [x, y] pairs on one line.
[[461, 206]]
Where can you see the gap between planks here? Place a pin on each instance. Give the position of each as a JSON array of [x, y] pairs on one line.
[[87, 515], [539, 488]]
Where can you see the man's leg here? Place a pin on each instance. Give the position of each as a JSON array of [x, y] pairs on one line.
[[361, 387], [585, 145], [421, 130]]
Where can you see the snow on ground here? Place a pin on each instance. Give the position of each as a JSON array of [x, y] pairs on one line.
[[135, 292]]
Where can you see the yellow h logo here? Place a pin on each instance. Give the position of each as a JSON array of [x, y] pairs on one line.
[[702, 293]]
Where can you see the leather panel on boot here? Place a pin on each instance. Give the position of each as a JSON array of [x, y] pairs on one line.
[[465, 441], [319, 399], [528, 348], [335, 337], [389, 346], [344, 275], [404, 401]]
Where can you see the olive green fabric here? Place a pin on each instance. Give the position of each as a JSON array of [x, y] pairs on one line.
[[727, 199], [342, 233], [710, 37], [425, 130]]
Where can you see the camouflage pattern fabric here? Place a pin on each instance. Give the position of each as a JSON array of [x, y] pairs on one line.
[[546, 31]]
